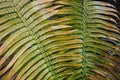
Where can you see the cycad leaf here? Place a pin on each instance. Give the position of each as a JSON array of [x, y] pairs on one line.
[[59, 40]]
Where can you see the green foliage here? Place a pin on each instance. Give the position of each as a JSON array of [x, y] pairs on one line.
[[59, 40]]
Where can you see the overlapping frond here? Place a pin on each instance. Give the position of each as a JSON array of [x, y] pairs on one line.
[[59, 40]]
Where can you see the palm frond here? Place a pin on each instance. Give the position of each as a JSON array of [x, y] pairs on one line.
[[59, 40]]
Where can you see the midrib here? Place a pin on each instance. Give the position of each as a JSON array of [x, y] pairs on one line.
[[85, 38]]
